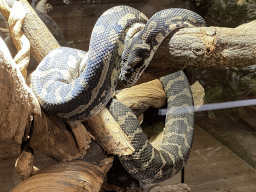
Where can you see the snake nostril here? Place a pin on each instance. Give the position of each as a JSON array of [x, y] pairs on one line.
[[131, 70]]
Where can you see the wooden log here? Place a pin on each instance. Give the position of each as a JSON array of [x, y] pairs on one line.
[[108, 134], [33, 28], [17, 101], [144, 95], [24, 164], [22, 44], [205, 47], [172, 188], [68, 176]]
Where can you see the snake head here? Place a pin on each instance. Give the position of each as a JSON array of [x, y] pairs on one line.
[[134, 62]]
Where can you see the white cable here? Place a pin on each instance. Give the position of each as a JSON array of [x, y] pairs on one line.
[[214, 106]]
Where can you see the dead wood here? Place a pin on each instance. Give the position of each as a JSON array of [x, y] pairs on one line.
[[108, 135], [24, 164], [171, 188], [34, 28], [17, 101], [204, 47], [68, 176], [144, 95]]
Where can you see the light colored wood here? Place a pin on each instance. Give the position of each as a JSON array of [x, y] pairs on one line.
[[211, 167], [21, 42], [205, 47], [216, 47], [67, 176], [17, 101], [34, 28], [82, 136], [144, 95], [108, 134]]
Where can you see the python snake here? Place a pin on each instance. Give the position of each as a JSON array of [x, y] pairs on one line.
[[75, 85], [148, 164]]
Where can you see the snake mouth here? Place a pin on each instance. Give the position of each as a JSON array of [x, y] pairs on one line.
[[132, 74]]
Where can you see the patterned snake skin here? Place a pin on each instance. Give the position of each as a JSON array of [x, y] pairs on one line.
[[148, 164], [75, 85]]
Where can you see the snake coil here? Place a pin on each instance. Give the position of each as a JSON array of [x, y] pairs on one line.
[[152, 165], [75, 85]]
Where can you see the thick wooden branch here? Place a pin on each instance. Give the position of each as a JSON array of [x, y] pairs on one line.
[[34, 28], [205, 47], [108, 134], [144, 95], [68, 176], [17, 101]]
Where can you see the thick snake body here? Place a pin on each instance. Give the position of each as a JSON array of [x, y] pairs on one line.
[[148, 164], [74, 85]]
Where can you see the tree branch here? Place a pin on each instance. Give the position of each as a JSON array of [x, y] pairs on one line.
[[205, 47]]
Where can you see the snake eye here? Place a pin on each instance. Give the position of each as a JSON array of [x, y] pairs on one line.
[[142, 52]]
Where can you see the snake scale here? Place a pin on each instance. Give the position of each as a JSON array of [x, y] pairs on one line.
[[148, 164], [75, 85]]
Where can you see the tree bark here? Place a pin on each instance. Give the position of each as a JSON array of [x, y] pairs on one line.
[[204, 47], [67, 176], [197, 47], [34, 28], [17, 102]]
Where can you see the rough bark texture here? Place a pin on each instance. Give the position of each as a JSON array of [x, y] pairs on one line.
[[24, 164], [204, 47], [72, 176], [33, 28], [17, 102], [144, 95], [107, 133], [171, 188]]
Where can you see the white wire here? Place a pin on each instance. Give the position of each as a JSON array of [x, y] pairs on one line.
[[214, 106]]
